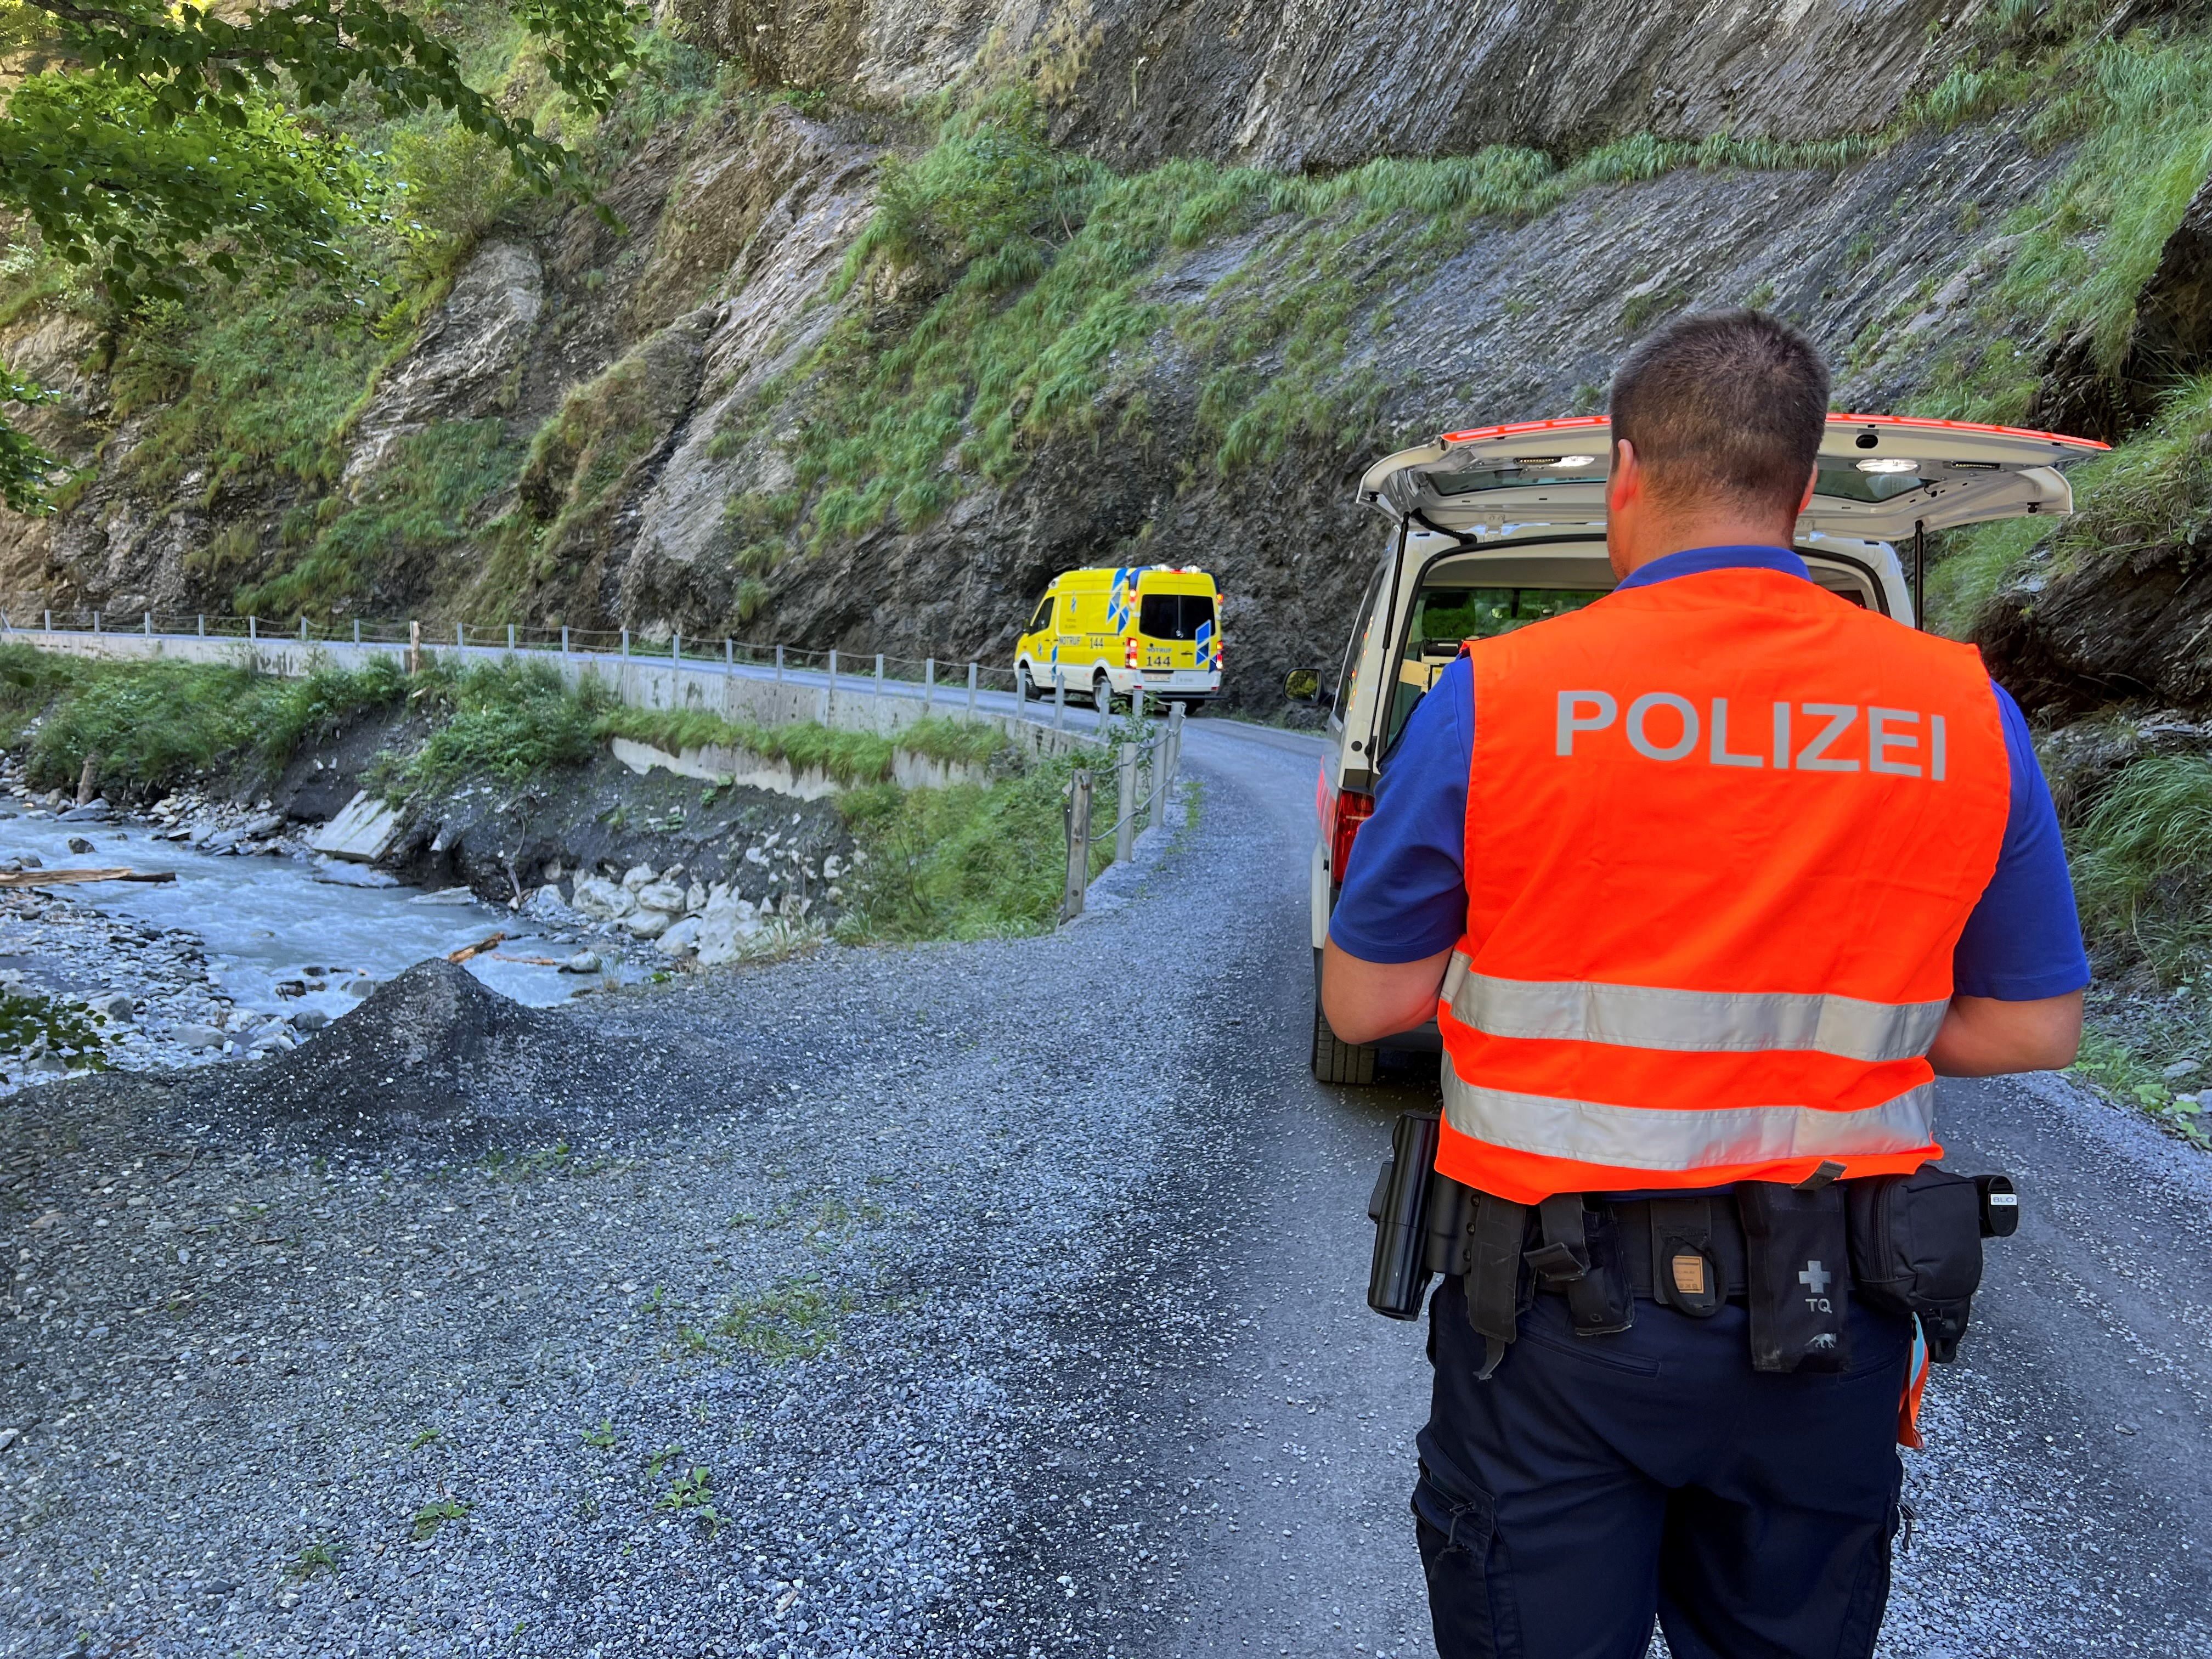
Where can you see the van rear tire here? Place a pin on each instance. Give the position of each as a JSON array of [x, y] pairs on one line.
[[1102, 695], [1335, 1060], [1024, 687]]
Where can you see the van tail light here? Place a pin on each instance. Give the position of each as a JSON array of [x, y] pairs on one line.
[[1129, 653], [1352, 809]]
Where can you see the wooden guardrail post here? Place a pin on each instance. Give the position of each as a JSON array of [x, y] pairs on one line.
[[1125, 821], [1078, 846], [414, 648]]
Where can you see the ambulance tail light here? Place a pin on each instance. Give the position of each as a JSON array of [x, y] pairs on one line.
[[1352, 809], [1129, 653]]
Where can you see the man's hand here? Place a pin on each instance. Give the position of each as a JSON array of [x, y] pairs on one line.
[[1366, 1000], [1981, 1036]]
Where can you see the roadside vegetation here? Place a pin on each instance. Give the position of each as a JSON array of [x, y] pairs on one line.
[[971, 859]]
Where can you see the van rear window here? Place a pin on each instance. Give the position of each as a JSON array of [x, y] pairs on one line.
[[1442, 616], [1173, 615]]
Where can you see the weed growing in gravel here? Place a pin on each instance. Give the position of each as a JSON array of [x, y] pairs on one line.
[[661, 1459], [603, 1437], [428, 1436], [2114, 1069], [794, 1320], [321, 1556], [964, 862], [693, 1495], [431, 1516]]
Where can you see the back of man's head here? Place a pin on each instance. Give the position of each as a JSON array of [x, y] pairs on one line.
[[1724, 408]]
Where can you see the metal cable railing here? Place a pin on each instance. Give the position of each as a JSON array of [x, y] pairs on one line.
[[1144, 765], [937, 679]]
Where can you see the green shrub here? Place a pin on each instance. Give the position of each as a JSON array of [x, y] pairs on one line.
[[69, 1031], [452, 187], [150, 725], [2142, 864], [966, 862], [509, 720]]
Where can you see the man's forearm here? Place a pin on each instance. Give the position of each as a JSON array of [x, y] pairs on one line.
[[1366, 1000], [1984, 1036]]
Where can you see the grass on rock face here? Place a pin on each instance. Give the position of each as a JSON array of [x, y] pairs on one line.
[[2142, 864]]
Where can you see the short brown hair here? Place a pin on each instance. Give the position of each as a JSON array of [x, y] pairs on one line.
[[1726, 402]]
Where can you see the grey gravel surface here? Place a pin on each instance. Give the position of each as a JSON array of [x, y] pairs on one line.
[[1008, 1295]]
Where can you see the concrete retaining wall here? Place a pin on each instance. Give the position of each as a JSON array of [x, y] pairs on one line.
[[747, 693]]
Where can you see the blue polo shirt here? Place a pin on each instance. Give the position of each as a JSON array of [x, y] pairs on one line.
[[1405, 895]]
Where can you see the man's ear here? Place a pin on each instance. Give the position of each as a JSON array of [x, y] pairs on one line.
[[1625, 481]]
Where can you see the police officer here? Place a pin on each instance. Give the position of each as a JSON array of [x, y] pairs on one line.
[[1704, 883]]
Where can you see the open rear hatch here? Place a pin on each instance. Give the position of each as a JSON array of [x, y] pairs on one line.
[[1882, 478]]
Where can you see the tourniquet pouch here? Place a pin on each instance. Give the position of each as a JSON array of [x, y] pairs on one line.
[[1799, 1261], [1916, 1248]]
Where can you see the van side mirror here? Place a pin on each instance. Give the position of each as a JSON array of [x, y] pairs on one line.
[[1303, 685]]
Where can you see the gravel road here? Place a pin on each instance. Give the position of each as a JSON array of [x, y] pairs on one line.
[[984, 1299]]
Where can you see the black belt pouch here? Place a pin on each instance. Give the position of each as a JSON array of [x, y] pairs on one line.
[[1916, 1248], [1799, 1260]]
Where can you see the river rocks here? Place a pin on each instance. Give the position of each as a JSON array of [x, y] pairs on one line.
[[198, 1036], [338, 874], [663, 896], [584, 962], [79, 845], [117, 1004], [681, 939], [98, 811], [646, 924], [600, 900], [727, 925], [363, 832]]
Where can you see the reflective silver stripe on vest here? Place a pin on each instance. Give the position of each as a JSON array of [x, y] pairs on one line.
[[1692, 1021], [1650, 1138]]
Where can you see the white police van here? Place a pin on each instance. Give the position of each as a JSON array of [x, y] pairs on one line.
[[1502, 526]]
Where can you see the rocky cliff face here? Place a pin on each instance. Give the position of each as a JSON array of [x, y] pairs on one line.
[[1316, 84], [630, 427]]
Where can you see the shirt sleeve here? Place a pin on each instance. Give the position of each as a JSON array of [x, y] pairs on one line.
[[2023, 940], [1405, 896]]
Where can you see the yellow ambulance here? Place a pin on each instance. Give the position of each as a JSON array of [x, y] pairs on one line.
[[1107, 632]]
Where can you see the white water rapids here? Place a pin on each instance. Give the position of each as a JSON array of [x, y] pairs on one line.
[[266, 919]]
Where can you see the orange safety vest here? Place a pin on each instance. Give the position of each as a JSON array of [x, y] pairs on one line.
[[1723, 833]]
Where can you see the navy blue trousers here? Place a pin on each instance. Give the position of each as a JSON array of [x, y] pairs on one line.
[[1594, 1483]]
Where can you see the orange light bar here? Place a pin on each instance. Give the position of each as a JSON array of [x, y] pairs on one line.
[[1914, 423], [1513, 429], [1929, 423]]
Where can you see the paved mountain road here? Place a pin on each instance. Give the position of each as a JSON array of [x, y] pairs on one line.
[[1011, 1295]]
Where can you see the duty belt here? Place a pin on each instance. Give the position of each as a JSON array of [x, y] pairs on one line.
[[1794, 1255]]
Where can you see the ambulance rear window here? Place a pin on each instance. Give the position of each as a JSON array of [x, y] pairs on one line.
[[1173, 615]]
